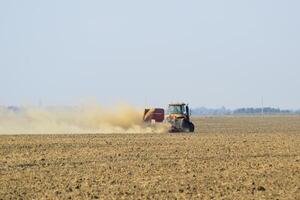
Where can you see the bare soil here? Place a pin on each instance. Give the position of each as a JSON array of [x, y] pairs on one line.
[[250, 157]]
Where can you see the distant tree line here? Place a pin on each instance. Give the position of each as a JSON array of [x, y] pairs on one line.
[[242, 111], [266, 110]]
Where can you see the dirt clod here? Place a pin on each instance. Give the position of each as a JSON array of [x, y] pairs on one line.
[[261, 188]]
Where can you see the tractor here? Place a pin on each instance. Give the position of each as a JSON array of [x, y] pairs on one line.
[[177, 116]]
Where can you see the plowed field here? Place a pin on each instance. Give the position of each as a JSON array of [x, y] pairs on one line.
[[228, 158]]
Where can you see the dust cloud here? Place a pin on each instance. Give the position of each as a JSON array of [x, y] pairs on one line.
[[121, 118]]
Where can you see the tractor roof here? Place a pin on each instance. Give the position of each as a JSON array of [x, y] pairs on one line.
[[177, 104]]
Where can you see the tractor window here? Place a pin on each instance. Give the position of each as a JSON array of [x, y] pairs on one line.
[[175, 110], [184, 111]]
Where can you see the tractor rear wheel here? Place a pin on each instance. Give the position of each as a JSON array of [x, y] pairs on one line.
[[185, 125], [192, 127]]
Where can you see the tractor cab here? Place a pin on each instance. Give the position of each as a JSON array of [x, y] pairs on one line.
[[179, 110]]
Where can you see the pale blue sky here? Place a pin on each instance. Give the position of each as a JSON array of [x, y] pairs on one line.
[[208, 53]]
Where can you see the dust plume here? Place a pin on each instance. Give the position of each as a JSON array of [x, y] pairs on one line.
[[121, 118]]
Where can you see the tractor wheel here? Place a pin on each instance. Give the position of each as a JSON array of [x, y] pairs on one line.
[[192, 127], [185, 125]]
